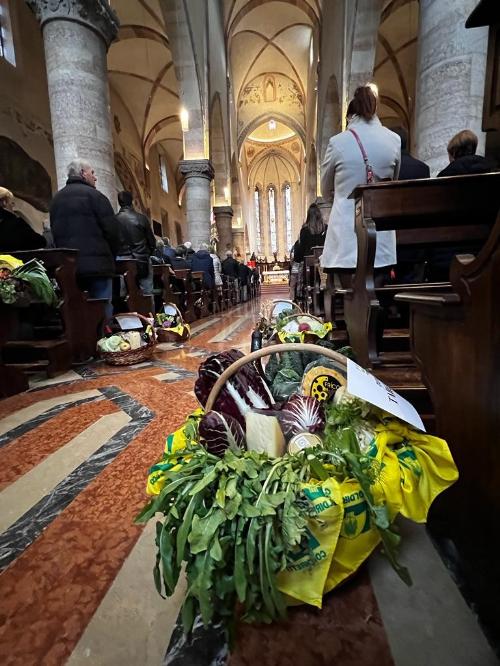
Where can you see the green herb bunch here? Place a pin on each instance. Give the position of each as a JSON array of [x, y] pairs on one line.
[[234, 521]]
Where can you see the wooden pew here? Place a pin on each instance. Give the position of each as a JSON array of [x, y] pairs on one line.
[[81, 316], [184, 278], [455, 340], [135, 300], [423, 213]]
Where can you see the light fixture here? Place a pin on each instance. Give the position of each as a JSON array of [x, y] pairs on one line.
[[272, 125], [184, 116]]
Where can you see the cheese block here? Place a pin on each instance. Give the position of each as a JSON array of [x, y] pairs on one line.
[[263, 434]]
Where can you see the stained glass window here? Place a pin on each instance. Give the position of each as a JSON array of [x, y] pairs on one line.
[[288, 217], [258, 231], [271, 194]]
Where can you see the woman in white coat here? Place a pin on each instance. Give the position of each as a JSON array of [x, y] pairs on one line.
[[364, 150]]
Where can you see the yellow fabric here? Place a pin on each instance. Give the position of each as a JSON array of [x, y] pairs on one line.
[[10, 262], [176, 441], [304, 579], [179, 329], [426, 467]]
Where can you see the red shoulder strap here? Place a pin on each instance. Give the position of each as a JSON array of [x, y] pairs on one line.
[[369, 170]]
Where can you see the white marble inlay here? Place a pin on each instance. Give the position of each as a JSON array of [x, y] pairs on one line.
[[20, 496], [228, 330], [133, 624], [37, 408]]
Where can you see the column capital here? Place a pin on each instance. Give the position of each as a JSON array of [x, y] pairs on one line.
[[196, 169], [223, 210], [96, 15]]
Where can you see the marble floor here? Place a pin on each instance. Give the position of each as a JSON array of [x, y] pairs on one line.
[[76, 582]]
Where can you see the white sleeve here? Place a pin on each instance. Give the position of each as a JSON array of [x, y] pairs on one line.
[[328, 170]]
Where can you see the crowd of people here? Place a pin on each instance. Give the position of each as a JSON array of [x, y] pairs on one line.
[[81, 217]]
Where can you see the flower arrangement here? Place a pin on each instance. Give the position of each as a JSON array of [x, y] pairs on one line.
[[21, 282]]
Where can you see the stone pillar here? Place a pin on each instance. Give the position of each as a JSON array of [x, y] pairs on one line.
[[239, 241], [76, 36], [224, 223], [197, 177], [450, 78]]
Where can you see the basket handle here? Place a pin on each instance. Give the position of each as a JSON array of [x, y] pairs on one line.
[[267, 351]]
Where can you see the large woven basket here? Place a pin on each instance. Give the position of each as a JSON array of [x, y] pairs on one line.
[[132, 356]]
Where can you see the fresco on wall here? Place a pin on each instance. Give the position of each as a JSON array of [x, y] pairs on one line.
[[24, 176]]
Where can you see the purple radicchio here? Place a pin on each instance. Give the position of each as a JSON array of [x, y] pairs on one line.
[[219, 432], [301, 413], [244, 391]]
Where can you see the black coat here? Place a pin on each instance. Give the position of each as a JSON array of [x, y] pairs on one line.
[[136, 235], [202, 261], [244, 274], [16, 234], [306, 242], [411, 168], [230, 267], [82, 218], [469, 164]]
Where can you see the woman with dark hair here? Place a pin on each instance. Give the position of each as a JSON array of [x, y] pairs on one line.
[[365, 152], [311, 235]]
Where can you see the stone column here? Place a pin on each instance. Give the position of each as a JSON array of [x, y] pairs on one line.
[[197, 177], [450, 78], [76, 36], [224, 223], [239, 241]]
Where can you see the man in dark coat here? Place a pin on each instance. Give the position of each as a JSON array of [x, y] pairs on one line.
[[463, 159], [81, 217], [411, 168], [15, 233], [244, 276], [136, 239], [230, 265], [202, 261]]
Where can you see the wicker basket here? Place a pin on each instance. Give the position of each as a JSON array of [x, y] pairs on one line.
[[166, 335], [267, 351], [273, 339], [132, 356]]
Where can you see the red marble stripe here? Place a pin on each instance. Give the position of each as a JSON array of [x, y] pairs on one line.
[[27, 451], [49, 594]]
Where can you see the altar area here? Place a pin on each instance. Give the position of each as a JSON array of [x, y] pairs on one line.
[[275, 277]]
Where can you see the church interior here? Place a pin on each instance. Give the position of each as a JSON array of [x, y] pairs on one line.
[[226, 122]]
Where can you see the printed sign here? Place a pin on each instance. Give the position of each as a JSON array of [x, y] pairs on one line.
[[128, 322], [364, 385]]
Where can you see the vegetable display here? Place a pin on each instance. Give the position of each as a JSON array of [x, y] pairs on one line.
[[21, 283], [267, 504]]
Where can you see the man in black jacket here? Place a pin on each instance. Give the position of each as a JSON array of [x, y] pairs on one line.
[[136, 240], [411, 168], [230, 265], [81, 217], [202, 261]]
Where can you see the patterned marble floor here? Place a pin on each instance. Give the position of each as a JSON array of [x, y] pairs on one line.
[[76, 584]]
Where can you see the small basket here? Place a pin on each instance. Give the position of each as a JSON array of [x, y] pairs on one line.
[[273, 339], [132, 356], [167, 335]]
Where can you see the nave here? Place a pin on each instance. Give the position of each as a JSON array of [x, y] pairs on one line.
[[77, 584]]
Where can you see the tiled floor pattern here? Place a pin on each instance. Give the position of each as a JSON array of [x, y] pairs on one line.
[[76, 584]]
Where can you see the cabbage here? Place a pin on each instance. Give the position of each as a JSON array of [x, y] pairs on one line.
[[301, 413], [244, 391], [219, 432]]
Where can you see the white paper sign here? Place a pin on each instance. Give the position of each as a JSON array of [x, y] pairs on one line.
[[128, 322], [364, 385]]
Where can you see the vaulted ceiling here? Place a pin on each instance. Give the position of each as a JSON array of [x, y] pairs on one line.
[[142, 77], [269, 53], [395, 61]]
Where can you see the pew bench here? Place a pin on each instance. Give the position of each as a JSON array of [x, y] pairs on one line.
[[135, 300], [423, 213]]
